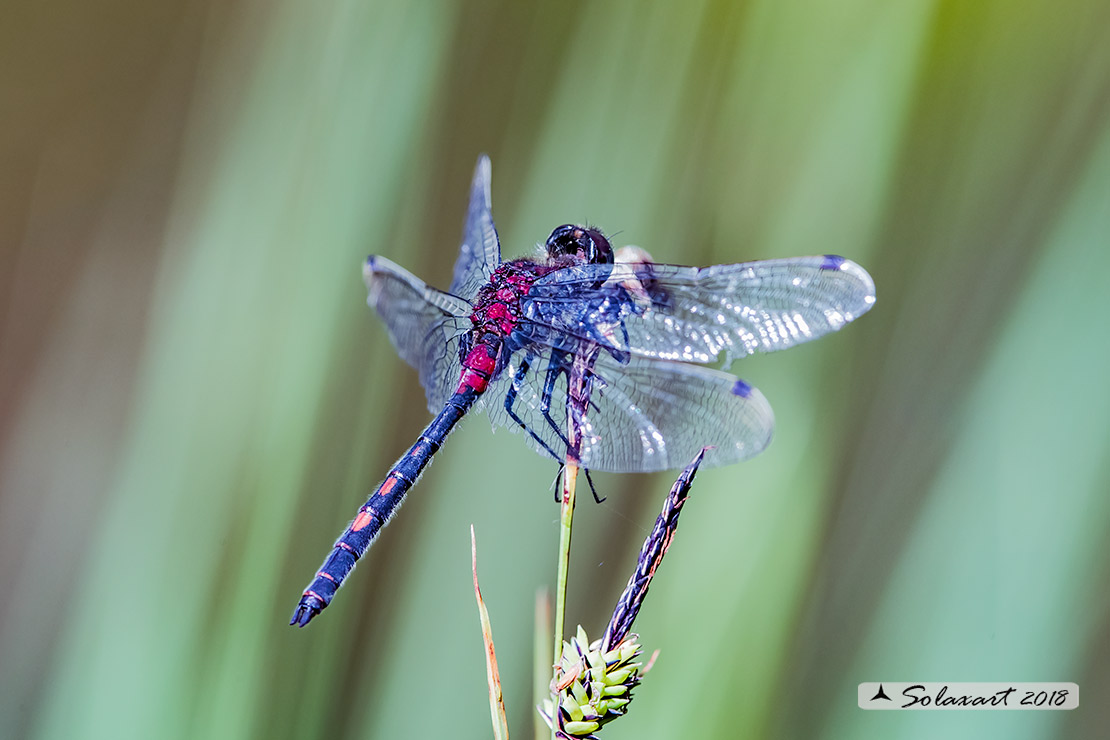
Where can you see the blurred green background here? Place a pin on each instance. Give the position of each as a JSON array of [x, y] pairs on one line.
[[194, 398]]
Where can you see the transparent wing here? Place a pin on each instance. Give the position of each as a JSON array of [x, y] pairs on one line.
[[480, 252], [645, 414], [424, 324], [702, 314]]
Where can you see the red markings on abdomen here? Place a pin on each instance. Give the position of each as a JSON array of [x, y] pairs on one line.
[[478, 366], [471, 379], [481, 358], [365, 516]]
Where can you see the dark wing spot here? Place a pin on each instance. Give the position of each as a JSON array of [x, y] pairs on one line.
[[832, 262], [742, 389]]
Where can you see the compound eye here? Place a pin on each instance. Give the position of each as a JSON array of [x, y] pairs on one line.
[[588, 245], [563, 240], [600, 250]]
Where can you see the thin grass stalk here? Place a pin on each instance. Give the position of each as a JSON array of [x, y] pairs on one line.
[[493, 675]]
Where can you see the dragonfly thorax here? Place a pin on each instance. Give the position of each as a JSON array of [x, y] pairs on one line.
[[497, 312], [497, 305]]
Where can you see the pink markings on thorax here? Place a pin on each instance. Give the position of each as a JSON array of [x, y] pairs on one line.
[[502, 316], [498, 311]]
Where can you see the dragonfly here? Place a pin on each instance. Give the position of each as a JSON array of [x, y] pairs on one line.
[[510, 336]]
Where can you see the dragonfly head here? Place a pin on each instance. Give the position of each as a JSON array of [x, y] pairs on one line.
[[582, 242]]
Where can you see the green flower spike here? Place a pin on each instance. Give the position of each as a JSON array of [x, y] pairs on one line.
[[593, 687]]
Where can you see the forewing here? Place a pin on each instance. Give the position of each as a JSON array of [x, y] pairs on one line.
[[424, 324], [645, 415], [480, 252], [705, 314]]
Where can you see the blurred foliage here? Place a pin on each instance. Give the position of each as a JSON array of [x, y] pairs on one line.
[[194, 398]]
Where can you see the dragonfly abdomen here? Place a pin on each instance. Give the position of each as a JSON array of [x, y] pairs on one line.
[[376, 512]]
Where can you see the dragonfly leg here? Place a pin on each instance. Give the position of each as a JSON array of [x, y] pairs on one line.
[[558, 366], [593, 489], [510, 401], [589, 479]]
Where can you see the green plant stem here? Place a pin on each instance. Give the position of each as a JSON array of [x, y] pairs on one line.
[[578, 398], [566, 518], [541, 648]]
